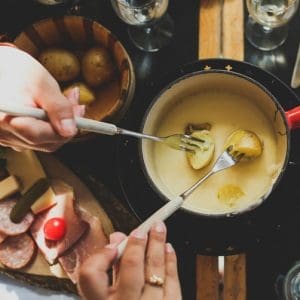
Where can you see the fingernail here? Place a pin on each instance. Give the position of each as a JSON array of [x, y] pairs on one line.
[[79, 110], [75, 93], [82, 108], [111, 246], [159, 227], [169, 248], [139, 234], [68, 126]]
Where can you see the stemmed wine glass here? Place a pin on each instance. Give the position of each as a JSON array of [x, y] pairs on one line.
[[267, 25], [151, 27]]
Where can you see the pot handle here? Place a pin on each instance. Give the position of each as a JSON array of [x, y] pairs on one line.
[[293, 117]]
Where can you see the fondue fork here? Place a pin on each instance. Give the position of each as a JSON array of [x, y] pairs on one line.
[[182, 142], [224, 161]]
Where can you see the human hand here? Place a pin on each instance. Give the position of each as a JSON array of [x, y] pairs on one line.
[[140, 261], [24, 81]]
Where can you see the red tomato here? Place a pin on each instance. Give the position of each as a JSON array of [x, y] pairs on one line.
[[55, 229]]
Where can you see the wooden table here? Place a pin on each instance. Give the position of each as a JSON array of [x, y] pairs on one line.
[[220, 34]]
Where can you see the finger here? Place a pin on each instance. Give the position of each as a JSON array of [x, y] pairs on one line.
[[35, 132], [155, 260], [79, 110], [72, 95], [17, 149], [130, 281], [172, 290], [93, 280], [60, 112], [10, 140], [20, 146], [116, 238]]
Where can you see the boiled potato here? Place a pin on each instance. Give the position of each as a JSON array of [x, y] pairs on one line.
[[62, 64], [86, 95], [202, 156], [191, 127], [97, 66], [229, 194], [244, 142]]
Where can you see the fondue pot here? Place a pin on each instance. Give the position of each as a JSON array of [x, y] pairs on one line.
[[220, 232]]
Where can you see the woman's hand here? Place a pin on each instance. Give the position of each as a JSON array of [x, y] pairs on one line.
[[24, 81], [141, 263]]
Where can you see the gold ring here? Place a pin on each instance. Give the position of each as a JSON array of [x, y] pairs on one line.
[[155, 280]]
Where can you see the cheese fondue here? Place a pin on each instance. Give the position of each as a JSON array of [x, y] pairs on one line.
[[226, 112]]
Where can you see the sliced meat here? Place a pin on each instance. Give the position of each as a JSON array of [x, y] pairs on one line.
[[2, 237], [7, 227], [17, 251], [88, 245], [65, 208]]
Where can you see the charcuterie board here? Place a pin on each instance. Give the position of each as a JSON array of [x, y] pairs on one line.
[[38, 272]]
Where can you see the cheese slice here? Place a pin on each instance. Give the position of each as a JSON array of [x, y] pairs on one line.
[[58, 271], [27, 168], [46, 201], [8, 187]]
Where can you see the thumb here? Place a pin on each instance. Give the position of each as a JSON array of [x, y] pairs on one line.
[[93, 281], [60, 111]]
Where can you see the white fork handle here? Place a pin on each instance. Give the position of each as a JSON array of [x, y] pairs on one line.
[[160, 215], [81, 123]]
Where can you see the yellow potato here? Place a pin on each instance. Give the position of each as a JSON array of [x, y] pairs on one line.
[[62, 64], [229, 194], [202, 156], [86, 95], [97, 66], [244, 142]]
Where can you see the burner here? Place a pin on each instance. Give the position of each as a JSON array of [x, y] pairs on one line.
[[217, 236]]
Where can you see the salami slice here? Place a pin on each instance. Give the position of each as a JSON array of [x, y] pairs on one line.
[[6, 225], [17, 251]]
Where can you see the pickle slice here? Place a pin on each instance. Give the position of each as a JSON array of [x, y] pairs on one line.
[[23, 206]]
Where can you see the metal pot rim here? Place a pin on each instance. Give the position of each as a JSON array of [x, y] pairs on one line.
[[226, 72]]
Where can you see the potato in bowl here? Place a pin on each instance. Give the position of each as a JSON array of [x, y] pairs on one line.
[[79, 40]]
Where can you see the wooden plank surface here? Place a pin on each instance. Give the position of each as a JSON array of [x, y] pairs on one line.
[[207, 278], [221, 34], [209, 42], [235, 277], [233, 47], [233, 29]]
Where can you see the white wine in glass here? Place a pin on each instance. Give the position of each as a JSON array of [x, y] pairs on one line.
[[267, 25], [150, 27]]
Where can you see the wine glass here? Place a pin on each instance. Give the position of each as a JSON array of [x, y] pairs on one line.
[[267, 25], [287, 287], [151, 28]]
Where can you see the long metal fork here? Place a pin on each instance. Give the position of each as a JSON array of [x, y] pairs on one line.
[[224, 161], [176, 141]]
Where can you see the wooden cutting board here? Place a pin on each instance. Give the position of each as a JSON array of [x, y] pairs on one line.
[[38, 273]]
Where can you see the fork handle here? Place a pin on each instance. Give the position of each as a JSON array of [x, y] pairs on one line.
[[160, 215], [81, 123]]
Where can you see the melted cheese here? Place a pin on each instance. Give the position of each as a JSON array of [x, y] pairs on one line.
[[226, 112]]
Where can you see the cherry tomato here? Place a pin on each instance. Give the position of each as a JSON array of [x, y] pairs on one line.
[[55, 229]]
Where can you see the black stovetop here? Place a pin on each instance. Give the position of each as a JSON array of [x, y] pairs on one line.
[[278, 243]]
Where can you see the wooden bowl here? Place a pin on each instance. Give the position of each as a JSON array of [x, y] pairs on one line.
[[78, 34]]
